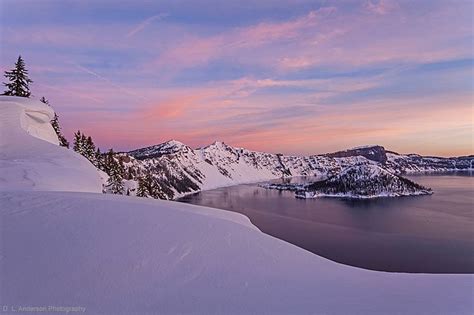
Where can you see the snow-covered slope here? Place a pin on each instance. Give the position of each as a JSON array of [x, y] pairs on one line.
[[30, 157], [124, 255], [185, 170]]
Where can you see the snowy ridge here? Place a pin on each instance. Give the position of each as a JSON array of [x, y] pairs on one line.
[[168, 147], [183, 170], [217, 165], [414, 163]]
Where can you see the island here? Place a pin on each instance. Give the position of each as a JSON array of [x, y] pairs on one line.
[[360, 181]]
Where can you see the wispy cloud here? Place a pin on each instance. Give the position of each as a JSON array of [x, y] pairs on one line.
[[381, 7], [117, 86], [144, 24], [292, 79]]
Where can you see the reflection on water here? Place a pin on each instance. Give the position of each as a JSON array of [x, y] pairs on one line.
[[408, 234]]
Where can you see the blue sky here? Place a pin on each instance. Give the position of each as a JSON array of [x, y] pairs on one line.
[[296, 77]]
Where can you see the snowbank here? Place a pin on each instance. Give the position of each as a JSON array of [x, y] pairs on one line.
[[30, 157], [125, 255]]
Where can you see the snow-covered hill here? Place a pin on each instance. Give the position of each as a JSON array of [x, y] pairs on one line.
[[109, 254], [181, 169], [29, 153], [125, 255], [363, 181]]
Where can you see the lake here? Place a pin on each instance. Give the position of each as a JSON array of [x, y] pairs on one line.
[[427, 234]]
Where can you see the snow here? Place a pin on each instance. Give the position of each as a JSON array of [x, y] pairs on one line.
[[366, 146], [219, 165], [116, 254], [120, 255], [168, 147], [30, 158]]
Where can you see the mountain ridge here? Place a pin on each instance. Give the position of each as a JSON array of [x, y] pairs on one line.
[[182, 170]]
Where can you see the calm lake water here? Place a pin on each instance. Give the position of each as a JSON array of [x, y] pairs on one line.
[[432, 234]]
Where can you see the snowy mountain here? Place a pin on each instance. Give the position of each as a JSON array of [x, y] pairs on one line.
[[65, 249], [414, 163], [181, 170], [363, 181], [169, 147]]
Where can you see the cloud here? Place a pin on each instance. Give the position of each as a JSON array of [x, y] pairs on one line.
[[144, 24], [195, 50], [381, 7], [310, 81]]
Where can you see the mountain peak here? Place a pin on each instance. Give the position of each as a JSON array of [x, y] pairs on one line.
[[168, 147], [217, 145], [173, 143]]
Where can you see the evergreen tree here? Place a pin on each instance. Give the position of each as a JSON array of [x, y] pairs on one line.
[[147, 185], [109, 161], [90, 150], [83, 144], [121, 167], [57, 128], [78, 145], [19, 84], [142, 190], [100, 160], [115, 183]]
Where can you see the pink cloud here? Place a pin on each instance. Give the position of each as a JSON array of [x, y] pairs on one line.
[[329, 37]]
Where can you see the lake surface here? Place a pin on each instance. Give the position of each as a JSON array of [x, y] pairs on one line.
[[430, 234]]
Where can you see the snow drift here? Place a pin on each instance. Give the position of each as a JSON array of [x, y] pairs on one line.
[[124, 255], [121, 255], [30, 157]]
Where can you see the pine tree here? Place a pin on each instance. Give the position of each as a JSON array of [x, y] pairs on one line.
[[90, 151], [147, 185], [100, 160], [114, 182], [121, 167], [57, 128], [142, 190], [19, 84], [78, 144], [83, 144], [109, 161]]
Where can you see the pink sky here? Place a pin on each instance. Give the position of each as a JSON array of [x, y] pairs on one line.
[[312, 78]]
